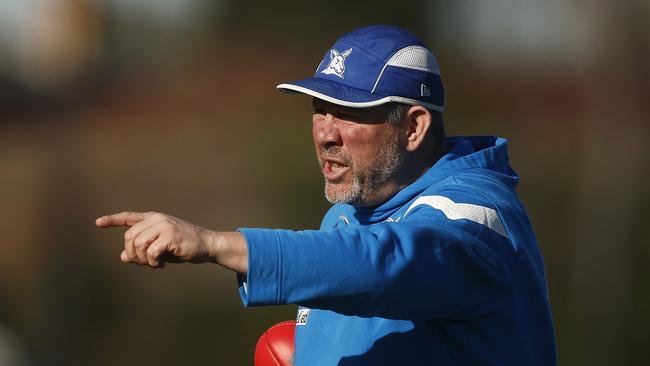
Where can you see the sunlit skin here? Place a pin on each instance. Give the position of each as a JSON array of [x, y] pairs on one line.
[[154, 238], [348, 144], [352, 144]]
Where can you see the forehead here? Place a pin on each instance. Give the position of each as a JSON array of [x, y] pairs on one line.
[[376, 114]]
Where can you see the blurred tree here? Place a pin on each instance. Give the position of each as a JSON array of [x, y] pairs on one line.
[[310, 24], [604, 327]]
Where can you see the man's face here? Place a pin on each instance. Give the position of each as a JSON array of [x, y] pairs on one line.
[[358, 150]]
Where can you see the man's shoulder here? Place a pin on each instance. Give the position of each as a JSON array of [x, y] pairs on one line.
[[468, 198], [473, 185], [467, 190]]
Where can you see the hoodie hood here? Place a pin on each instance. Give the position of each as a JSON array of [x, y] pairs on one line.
[[485, 155]]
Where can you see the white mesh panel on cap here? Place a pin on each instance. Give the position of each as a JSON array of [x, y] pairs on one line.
[[415, 57]]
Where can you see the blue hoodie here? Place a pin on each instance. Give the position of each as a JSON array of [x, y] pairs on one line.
[[446, 272]]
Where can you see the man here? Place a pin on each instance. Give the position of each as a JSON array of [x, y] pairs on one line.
[[427, 257]]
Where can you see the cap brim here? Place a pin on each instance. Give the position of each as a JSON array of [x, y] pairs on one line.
[[344, 95]]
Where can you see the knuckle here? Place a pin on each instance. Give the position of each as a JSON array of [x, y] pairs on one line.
[[152, 252], [131, 257], [172, 233], [140, 241], [168, 224]]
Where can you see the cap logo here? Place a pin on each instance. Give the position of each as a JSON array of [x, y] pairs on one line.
[[424, 91], [337, 62]]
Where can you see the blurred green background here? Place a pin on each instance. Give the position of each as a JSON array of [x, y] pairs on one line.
[[170, 105]]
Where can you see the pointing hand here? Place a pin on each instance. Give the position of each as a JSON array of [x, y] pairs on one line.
[[155, 238]]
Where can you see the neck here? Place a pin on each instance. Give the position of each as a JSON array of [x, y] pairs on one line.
[[413, 168]]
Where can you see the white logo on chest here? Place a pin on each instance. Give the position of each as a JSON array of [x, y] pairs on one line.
[[337, 62], [303, 316]]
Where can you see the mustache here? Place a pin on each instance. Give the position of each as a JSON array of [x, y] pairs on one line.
[[334, 153], [332, 150]]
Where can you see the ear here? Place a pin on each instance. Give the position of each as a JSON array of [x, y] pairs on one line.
[[333, 53], [419, 121]]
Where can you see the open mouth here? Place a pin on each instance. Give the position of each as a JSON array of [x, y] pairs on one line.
[[333, 170]]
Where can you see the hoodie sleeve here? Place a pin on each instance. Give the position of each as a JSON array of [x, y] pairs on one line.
[[425, 266]]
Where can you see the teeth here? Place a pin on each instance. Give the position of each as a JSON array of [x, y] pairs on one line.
[[335, 167]]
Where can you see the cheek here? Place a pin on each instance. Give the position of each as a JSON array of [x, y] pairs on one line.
[[362, 145], [314, 132]]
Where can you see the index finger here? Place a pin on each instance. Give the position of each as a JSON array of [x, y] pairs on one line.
[[126, 218]]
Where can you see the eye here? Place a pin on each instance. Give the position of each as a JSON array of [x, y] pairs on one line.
[[349, 116], [344, 115]]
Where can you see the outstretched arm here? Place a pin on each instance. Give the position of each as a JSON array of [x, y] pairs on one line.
[[155, 238]]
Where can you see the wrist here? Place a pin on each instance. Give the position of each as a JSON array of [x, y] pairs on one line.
[[230, 251], [213, 242]]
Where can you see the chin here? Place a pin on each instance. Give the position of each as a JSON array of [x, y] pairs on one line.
[[334, 191], [342, 193]]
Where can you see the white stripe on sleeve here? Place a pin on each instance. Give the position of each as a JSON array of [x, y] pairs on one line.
[[457, 211]]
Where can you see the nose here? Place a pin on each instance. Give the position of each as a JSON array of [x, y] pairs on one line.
[[325, 130]]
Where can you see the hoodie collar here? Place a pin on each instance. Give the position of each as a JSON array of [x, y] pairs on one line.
[[465, 152]]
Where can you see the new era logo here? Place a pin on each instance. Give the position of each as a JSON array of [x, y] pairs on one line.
[[424, 91]]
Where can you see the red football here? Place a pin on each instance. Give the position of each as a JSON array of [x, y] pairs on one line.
[[275, 347]]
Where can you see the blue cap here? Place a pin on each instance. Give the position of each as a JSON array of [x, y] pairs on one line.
[[376, 65]]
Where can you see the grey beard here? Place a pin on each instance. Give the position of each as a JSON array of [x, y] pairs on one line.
[[365, 182], [350, 196]]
